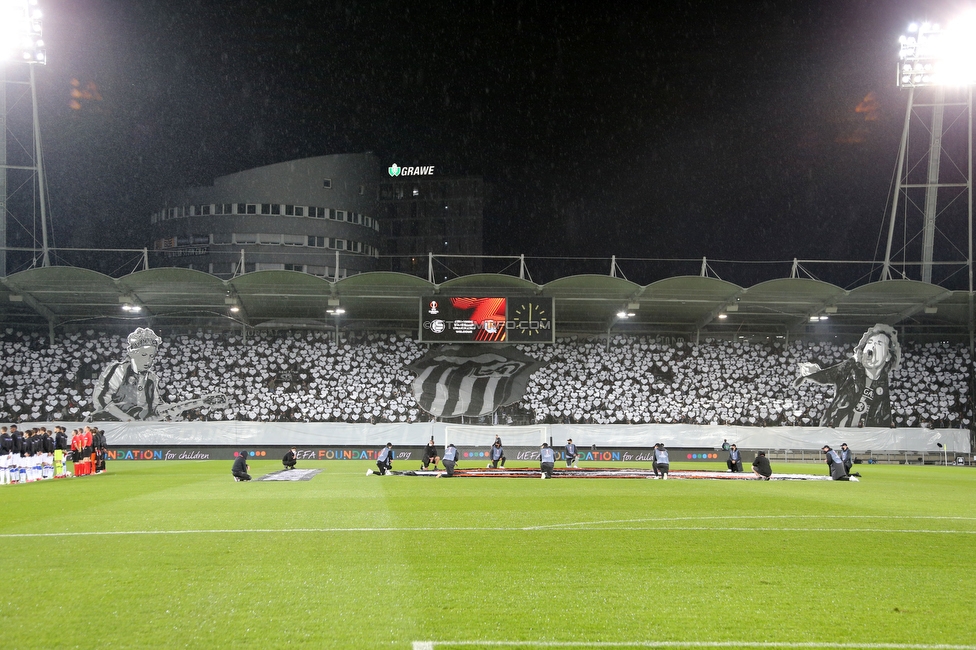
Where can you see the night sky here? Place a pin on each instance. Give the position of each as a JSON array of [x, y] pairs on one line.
[[737, 131]]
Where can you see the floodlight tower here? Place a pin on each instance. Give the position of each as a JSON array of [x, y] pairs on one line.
[[935, 174], [20, 44]]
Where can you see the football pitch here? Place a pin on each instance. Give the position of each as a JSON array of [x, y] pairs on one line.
[[176, 554]]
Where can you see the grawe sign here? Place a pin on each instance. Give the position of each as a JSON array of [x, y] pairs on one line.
[[396, 170]]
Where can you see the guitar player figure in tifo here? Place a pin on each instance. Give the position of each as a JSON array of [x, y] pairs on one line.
[[127, 389]]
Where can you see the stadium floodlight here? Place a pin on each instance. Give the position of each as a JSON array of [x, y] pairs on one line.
[[336, 312], [931, 55], [20, 32], [939, 61], [21, 42]]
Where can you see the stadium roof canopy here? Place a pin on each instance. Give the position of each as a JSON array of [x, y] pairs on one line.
[[62, 296]]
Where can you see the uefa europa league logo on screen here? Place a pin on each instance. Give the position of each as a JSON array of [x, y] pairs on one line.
[[394, 170]]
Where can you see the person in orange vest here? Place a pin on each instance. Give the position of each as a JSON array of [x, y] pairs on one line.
[[88, 453], [79, 447], [76, 443]]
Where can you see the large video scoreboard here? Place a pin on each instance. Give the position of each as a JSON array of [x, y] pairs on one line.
[[486, 320]]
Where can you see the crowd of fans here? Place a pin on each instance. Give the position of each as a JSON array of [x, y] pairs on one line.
[[303, 376]]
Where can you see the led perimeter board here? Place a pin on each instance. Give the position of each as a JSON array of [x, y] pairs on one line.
[[486, 320]]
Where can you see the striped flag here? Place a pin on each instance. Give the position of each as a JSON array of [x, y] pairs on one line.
[[470, 380]]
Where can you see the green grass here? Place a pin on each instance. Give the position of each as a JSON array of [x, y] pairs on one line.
[[350, 561]]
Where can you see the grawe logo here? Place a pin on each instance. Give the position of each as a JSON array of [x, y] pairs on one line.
[[396, 170]]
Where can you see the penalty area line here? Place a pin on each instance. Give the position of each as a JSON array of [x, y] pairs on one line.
[[431, 645], [493, 529]]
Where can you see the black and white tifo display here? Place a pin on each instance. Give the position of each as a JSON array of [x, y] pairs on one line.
[[476, 379], [472, 381], [861, 394], [128, 389]]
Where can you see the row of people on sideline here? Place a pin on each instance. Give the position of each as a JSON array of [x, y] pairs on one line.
[[36, 454], [660, 463], [839, 462]]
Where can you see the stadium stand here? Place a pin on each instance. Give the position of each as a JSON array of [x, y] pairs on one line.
[[304, 376]]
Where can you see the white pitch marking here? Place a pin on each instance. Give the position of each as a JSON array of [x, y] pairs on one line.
[[573, 524], [391, 529], [767, 529], [430, 645]]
